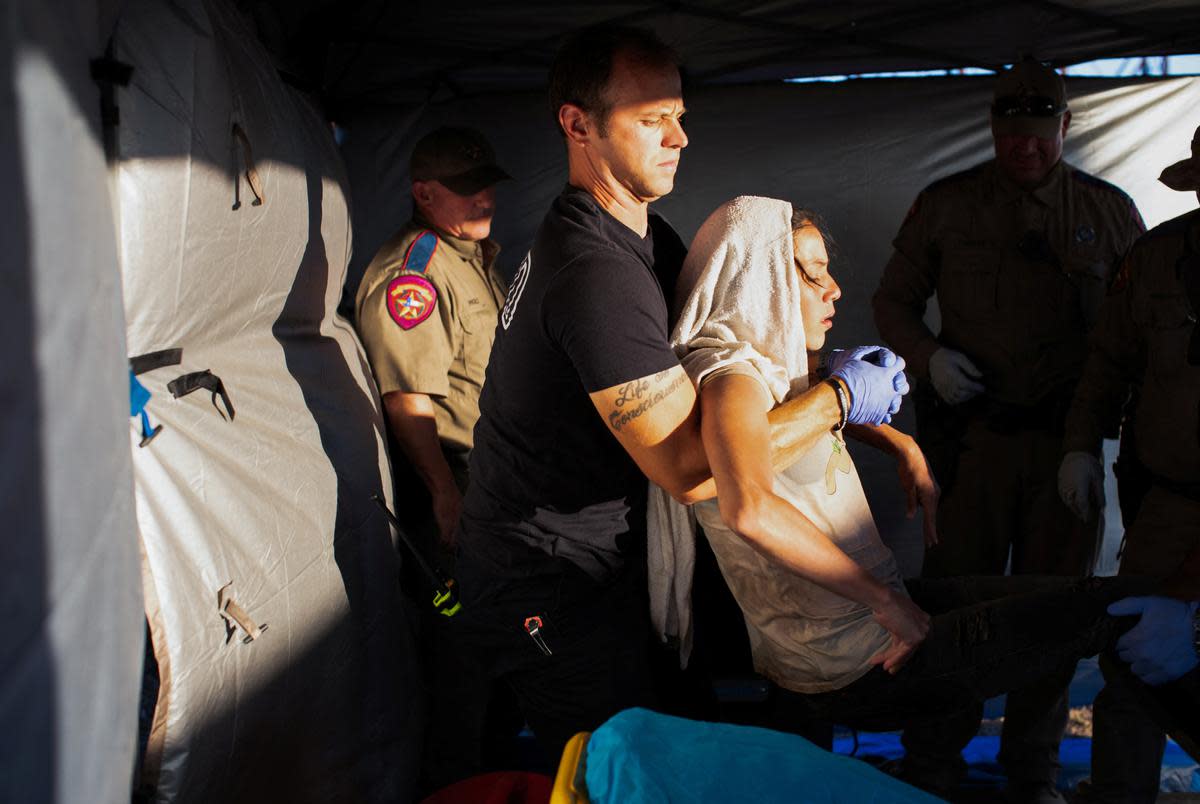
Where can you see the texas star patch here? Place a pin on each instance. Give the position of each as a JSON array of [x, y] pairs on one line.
[[410, 300]]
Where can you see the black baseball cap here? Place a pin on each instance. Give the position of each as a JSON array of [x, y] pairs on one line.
[[459, 158]]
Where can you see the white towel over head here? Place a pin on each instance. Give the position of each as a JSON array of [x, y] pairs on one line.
[[738, 298]]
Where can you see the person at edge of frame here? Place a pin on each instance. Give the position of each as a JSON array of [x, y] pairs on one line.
[[1147, 341]]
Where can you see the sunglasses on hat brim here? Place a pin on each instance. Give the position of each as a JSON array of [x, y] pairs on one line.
[[1027, 106]]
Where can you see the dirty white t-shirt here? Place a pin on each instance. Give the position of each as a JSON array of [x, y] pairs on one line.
[[804, 637]]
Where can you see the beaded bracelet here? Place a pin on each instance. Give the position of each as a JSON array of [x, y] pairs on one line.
[[843, 403]]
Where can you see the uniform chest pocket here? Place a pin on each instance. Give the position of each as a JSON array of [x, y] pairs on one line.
[[969, 283], [1086, 287], [478, 323], [1170, 322]]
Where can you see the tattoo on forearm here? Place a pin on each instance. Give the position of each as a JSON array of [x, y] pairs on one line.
[[639, 396]]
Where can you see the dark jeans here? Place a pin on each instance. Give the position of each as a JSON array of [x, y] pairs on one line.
[[989, 635], [598, 636]]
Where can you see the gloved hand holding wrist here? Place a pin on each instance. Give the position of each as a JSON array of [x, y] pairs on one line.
[[1081, 483], [875, 377], [955, 378], [1161, 647]]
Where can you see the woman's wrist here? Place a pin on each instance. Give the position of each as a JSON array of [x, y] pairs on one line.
[[882, 596], [843, 402]]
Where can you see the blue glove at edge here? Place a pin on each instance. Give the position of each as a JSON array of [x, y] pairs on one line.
[[1160, 648]]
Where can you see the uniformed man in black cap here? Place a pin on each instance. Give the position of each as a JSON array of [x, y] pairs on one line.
[[1020, 251], [1147, 338], [426, 311]]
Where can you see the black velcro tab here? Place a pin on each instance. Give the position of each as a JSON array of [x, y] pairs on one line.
[[184, 385], [153, 360], [107, 70]]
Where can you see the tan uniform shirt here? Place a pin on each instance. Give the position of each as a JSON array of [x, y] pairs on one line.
[[1019, 275], [1143, 338], [442, 351]]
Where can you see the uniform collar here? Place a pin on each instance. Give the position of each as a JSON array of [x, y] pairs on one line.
[[482, 251], [1047, 193]]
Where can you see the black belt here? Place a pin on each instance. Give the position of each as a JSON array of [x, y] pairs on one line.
[[1048, 415]]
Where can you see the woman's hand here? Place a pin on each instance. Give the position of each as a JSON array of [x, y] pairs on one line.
[[920, 487], [907, 624]]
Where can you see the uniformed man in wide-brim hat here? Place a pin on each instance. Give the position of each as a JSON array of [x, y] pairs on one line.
[[1147, 339]]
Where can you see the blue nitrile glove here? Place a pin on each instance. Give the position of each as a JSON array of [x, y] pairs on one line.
[[875, 377], [1160, 648]]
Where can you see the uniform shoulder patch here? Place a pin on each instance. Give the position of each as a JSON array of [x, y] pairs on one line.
[[1097, 182], [420, 252], [410, 299]]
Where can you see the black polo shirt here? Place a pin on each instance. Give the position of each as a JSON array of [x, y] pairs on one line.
[[549, 482]]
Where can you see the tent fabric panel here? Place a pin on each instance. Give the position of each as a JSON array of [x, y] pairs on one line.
[[491, 48], [273, 497], [69, 666]]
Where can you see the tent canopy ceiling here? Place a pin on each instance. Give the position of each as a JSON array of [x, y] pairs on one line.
[[382, 51]]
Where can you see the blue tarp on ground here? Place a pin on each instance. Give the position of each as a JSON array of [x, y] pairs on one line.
[[1180, 772]]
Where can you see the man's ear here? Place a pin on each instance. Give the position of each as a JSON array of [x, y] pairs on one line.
[[422, 193], [575, 123], [1066, 122]]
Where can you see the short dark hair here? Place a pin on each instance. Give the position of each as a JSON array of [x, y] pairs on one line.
[[803, 216], [584, 63]]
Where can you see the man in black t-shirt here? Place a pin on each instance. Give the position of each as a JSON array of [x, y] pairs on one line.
[[584, 399]]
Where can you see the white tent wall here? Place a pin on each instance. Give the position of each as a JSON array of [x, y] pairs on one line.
[[70, 592], [856, 151], [273, 496]]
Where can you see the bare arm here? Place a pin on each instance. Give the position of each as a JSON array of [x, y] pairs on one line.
[[916, 479], [411, 420], [657, 421], [735, 432]]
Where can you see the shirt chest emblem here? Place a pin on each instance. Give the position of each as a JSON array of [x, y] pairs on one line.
[[411, 299], [1085, 234]]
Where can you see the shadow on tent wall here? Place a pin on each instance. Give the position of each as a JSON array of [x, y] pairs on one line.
[[28, 707]]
